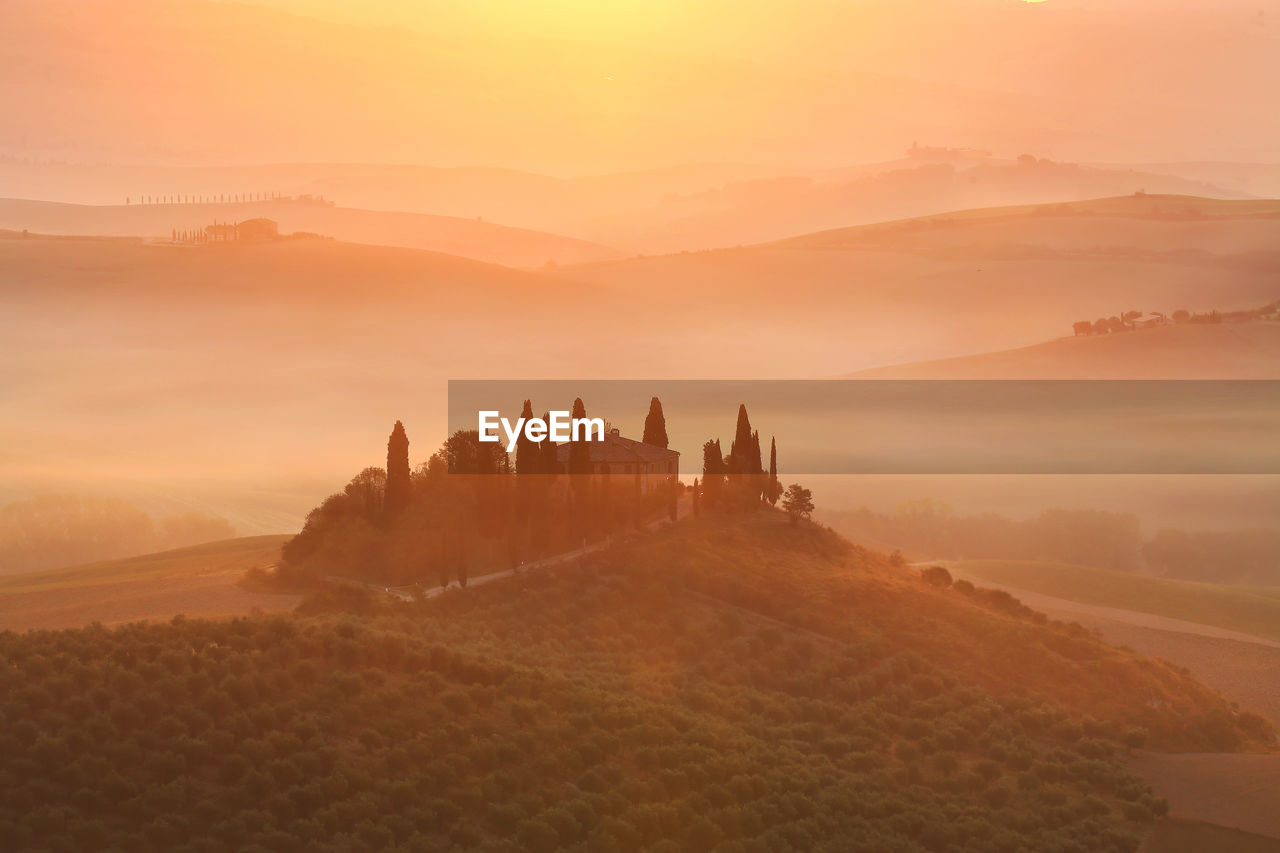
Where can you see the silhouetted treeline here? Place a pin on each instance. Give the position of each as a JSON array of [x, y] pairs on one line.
[[1248, 556], [1129, 321], [52, 531], [469, 509]]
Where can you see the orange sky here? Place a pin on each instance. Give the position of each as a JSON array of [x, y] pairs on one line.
[[571, 86]]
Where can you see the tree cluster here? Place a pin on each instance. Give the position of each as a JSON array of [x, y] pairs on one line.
[[738, 482], [469, 509]]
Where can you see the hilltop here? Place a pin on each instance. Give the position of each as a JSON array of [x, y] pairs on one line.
[[469, 238], [754, 685]]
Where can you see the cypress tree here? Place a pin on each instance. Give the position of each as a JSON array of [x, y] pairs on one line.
[[579, 451], [697, 507], [580, 465], [528, 459], [655, 425], [740, 450], [775, 489], [550, 464], [713, 470], [398, 487]]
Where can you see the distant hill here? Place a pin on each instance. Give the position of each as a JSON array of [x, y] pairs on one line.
[[963, 282], [468, 238], [691, 207], [200, 580], [1201, 351]]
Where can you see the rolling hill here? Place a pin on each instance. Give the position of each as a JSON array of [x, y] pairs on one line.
[[468, 238], [967, 282], [1220, 351], [690, 207], [198, 581], [746, 683], [165, 358]]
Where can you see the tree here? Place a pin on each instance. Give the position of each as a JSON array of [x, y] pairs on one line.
[[579, 451], [549, 463], [697, 506], [1082, 327], [528, 459], [655, 425], [797, 502], [713, 471], [740, 460], [774, 489], [398, 487], [1182, 315]]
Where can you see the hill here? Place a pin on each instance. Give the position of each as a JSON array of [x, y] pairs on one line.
[[1202, 351], [1243, 609], [967, 282], [684, 208], [198, 581], [468, 238], [146, 368], [731, 685]]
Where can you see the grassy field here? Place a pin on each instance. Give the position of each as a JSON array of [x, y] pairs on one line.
[[1247, 610], [201, 580], [1174, 835], [212, 558]]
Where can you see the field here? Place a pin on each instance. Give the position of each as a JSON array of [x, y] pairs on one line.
[[1176, 835], [1253, 611], [1240, 791], [196, 581]]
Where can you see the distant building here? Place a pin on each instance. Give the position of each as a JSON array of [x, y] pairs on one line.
[[618, 455], [260, 229], [254, 230]]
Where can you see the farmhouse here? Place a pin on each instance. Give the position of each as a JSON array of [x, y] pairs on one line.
[[651, 465]]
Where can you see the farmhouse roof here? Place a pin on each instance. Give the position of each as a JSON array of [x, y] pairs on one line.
[[618, 448]]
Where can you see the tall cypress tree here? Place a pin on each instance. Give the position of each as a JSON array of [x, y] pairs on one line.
[[550, 463], [655, 425], [740, 450], [580, 465], [775, 488], [713, 471], [579, 451], [527, 456], [398, 487]]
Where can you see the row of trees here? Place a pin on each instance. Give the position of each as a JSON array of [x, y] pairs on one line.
[[1128, 321], [218, 198]]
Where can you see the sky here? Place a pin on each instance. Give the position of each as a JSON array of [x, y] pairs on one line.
[[576, 87]]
